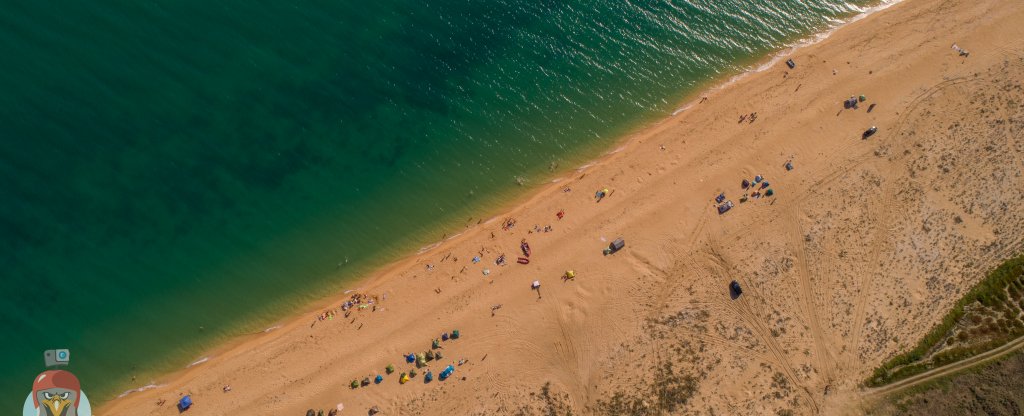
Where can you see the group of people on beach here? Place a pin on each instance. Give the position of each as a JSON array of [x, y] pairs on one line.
[[758, 187], [536, 229], [356, 301]]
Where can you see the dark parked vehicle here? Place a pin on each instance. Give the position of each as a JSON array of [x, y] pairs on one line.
[[616, 245], [869, 132], [735, 290]]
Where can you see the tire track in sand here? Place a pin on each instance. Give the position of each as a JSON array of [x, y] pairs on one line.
[[667, 288], [884, 220], [822, 355], [743, 308]]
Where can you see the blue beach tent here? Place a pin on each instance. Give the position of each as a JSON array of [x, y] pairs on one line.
[[447, 372], [411, 358], [184, 403]]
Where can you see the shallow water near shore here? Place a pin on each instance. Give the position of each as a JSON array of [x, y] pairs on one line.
[[178, 174]]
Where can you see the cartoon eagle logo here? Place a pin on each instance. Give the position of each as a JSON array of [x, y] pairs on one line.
[[57, 393]]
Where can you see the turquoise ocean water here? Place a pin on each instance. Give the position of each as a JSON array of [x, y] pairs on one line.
[[171, 166]]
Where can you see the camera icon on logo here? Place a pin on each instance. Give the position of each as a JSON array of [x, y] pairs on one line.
[[57, 357]]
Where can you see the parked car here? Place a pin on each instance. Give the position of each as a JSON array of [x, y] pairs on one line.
[[869, 132], [735, 290]]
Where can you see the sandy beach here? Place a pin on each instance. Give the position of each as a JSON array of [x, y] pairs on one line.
[[862, 246]]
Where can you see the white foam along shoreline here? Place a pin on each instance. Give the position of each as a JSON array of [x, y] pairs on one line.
[[140, 389]]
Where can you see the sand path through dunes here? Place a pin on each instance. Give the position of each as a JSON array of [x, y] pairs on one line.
[[864, 246], [857, 402], [946, 370]]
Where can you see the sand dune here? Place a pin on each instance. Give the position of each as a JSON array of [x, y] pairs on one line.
[[863, 247]]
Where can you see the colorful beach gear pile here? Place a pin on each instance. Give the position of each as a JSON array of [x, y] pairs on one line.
[[419, 360], [756, 188], [759, 187], [525, 248]]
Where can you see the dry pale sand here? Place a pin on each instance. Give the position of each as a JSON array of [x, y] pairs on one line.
[[863, 248]]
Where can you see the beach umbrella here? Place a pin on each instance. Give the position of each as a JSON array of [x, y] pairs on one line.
[[340, 407]]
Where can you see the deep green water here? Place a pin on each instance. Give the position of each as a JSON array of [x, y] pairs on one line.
[[166, 166]]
